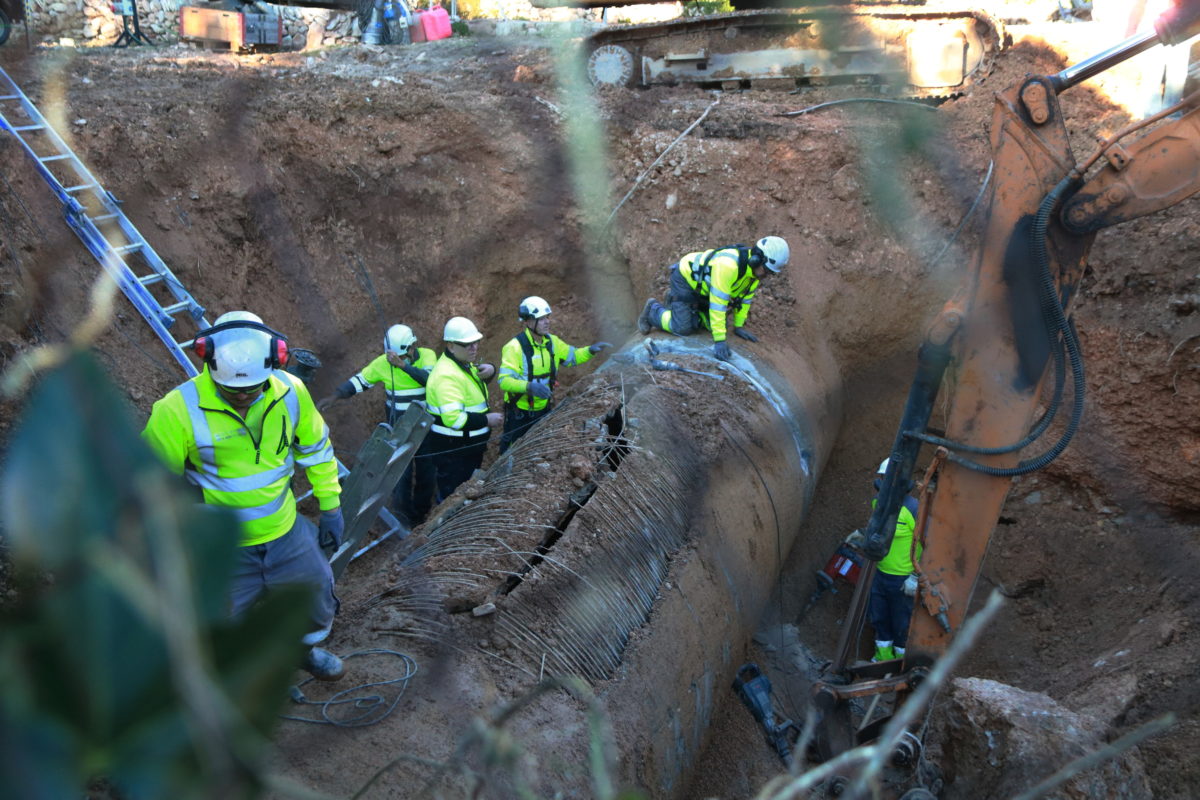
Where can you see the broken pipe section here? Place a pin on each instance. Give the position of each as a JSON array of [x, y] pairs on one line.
[[746, 452]]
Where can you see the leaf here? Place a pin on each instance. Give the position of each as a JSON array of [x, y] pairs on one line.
[[127, 666]]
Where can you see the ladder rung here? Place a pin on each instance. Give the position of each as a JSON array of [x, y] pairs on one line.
[[153, 277], [175, 309], [60, 157], [103, 218], [81, 187], [10, 97], [128, 248], [29, 128]]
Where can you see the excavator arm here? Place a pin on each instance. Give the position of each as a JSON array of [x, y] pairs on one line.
[[1001, 333]]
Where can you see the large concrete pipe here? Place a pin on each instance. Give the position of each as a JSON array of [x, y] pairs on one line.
[[776, 420], [633, 537]]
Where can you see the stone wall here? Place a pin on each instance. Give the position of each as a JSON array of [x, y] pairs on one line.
[[92, 22]]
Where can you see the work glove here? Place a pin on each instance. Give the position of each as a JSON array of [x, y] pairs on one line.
[[540, 388], [721, 351], [745, 334], [598, 346], [330, 529], [910, 586]]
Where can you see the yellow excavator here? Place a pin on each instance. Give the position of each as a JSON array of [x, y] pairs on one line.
[[915, 49]]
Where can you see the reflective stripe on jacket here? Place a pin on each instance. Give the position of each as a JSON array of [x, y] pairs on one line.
[[457, 396], [247, 464], [400, 387], [516, 370], [726, 287]]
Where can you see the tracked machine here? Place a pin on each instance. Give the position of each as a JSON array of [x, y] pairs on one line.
[[910, 49]]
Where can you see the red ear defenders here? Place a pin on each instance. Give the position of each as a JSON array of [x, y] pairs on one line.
[[205, 347]]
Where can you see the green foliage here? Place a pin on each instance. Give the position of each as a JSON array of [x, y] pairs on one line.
[[696, 8], [118, 660], [460, 28]]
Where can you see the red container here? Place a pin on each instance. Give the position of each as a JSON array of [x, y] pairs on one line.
[[845, 565], [436, 24], [415, 29]]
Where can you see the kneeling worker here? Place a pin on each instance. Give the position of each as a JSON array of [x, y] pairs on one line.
[[403, 369], [529, 366], [235, 431], [456, 395], [706, 286]]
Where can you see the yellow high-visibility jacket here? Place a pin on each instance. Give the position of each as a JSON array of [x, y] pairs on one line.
[[899, 559], [401, 388], [457, 396], [518, 367], [728, 285], [247, 464]]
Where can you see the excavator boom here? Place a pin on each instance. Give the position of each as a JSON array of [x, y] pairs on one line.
[[1001, 333]]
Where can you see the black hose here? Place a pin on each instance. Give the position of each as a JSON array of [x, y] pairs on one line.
[[1052, 303]]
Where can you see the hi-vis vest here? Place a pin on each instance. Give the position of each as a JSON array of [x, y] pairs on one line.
[[523, 360], [724, 278], [401, 389], [246, 465], [899, 559], [457, 396]]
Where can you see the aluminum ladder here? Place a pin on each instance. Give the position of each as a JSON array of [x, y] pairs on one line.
[[96, 217]]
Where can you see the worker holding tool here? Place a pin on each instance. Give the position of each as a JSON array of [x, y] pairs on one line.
[[706, 287], [403, 369], [529, 366], [895, 584], [236, 431], [456, 395]]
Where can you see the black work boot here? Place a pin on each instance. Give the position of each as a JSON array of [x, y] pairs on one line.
[[646, 321]]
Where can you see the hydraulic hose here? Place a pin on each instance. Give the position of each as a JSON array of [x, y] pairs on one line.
[[1058, 325]]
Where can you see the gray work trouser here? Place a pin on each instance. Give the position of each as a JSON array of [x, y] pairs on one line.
[[685, 304], [294, 558]]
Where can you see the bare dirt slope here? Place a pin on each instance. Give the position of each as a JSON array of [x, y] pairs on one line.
[[438, 181]]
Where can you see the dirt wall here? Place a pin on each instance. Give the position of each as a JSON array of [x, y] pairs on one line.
[[338, 192]]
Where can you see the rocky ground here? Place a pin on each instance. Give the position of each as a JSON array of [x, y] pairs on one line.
[[337, 191]]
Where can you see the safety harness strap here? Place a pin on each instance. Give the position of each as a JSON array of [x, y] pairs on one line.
[[701, 272], [526, 340]]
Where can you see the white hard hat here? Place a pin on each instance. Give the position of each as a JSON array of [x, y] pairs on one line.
[[775, 251], [238, 316], [399, 338], [882, 467], [239, 357], [533, 308], [461, 331]]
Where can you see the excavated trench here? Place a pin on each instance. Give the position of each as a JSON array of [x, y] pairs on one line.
[[635, 538]]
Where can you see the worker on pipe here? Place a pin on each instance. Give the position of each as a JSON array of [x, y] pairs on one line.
[[456, 395], [707, 286], [529, 366], [236, 431], [403, 370]]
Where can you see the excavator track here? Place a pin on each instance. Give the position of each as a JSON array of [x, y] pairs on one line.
[[913, 53]]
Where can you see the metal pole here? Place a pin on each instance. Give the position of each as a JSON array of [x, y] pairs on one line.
[[1090, 67]]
